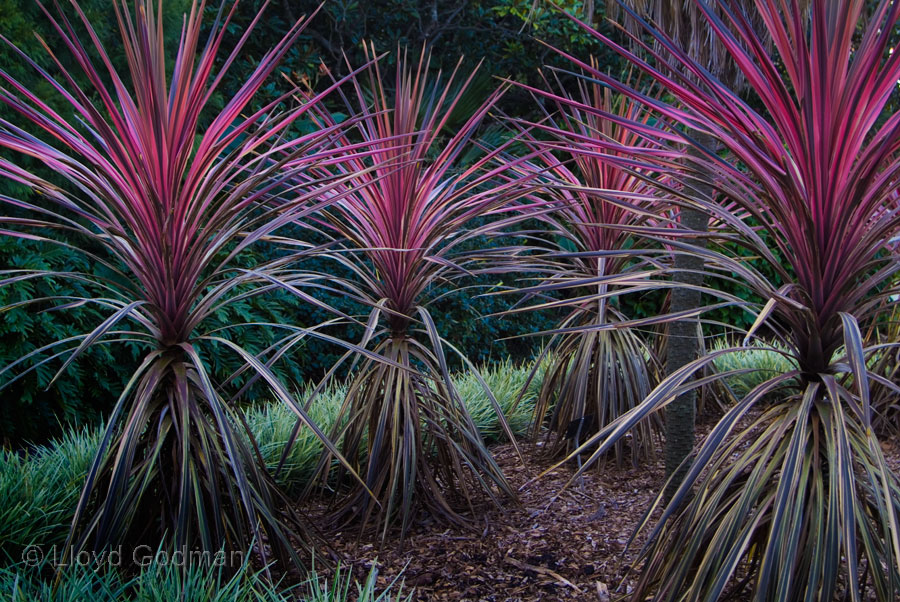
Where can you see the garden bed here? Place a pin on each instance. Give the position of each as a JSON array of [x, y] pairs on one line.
[[552, 546], [562, 549]]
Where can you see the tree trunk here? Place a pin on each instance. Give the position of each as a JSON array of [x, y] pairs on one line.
[[683, 343]]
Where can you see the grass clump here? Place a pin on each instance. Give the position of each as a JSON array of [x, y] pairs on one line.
[[505, 380], [39, 489], [761, 361], [272, 425], [164, 582]]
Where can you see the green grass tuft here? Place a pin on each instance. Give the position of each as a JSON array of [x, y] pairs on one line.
[[505, 380], [763, 362], [39, 490], [161, 582]]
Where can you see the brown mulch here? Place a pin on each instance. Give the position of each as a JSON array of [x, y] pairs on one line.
[[555, 544]]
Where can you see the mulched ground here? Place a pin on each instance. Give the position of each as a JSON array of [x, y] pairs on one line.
[[552, 546], [556, 544]]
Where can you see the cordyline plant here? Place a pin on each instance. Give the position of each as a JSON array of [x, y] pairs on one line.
[[163, 193], [596, 374], [397, 231], [791, 500]]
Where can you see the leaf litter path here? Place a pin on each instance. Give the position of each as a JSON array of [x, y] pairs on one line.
[[570, 549]]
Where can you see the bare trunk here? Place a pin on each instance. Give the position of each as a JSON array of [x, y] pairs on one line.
[[683, 345]]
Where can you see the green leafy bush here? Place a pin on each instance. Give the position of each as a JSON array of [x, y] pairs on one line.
[[505, 34], [33, 410]]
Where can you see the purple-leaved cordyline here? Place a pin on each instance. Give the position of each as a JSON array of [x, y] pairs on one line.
[[162, 192]]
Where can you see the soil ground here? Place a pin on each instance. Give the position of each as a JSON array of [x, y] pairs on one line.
[[558, 543], [553, 545]]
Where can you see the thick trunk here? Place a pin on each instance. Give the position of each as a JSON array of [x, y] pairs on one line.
[[682, 347]]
